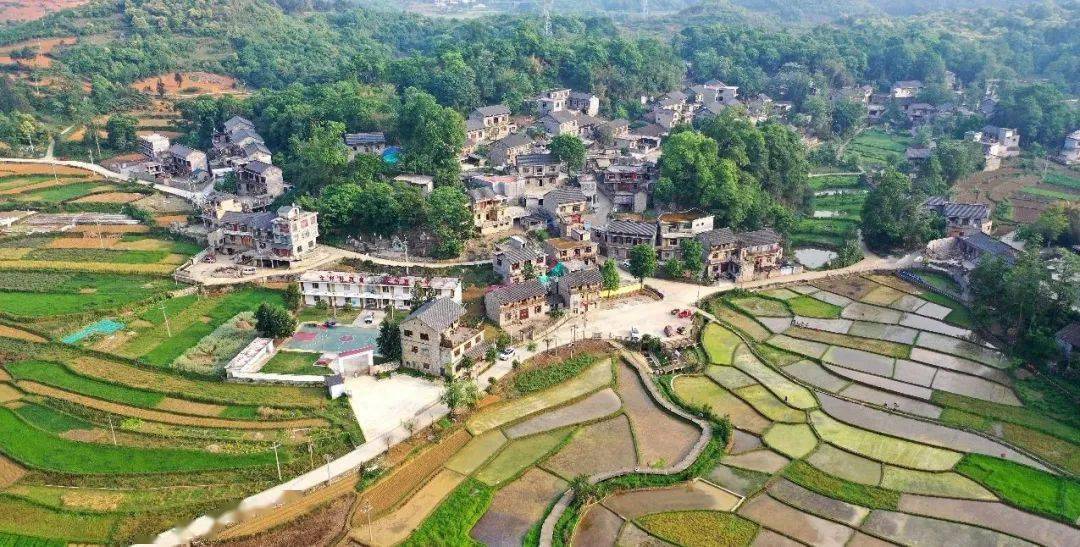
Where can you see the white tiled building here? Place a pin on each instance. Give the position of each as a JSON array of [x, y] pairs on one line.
[[374, 291]]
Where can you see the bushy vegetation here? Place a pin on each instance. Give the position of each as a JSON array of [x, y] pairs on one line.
[[1027, 488], [811, 478], [547, 376], [216, 349]]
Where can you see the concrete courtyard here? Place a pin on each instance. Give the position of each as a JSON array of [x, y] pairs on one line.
[[382, 405]]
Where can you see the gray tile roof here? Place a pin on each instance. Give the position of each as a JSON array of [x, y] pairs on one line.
[[514, 255], [562, 116], [474, 124], [353, 139], [258, 167], [765, 236], [245, 133], [181, 151], [716, 238], [438, 314], [563, 195], [581, 278], [986, 244], [482, 194], [1070, 334], [517, 292], [966, 210], [536, 159], [237, 121], [261, 221], [631, 227], [512, 140], [493, 110]]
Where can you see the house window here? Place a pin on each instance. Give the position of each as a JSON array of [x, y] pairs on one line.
[[423, 336], [408, 332], [415, 349]]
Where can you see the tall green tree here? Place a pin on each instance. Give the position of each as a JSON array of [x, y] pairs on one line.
[[642, 261], [389, 340], [321, 157], [432, 136], [570, 150], [274, 321], [892, 218], [692, 255], [121, 131], [610, 275]]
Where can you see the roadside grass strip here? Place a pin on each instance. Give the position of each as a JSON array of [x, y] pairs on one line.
[[881, 331], [793, 394], [915, 530], [959, 364], [760, 306], [690, 495], [916, 430], [763, 461], [995, 516], [791, 522], [816, 504], [801, 347], [719, 343], [883, 383], [518, 455], [38, 449], [42, 524], [1026, 488], [729, 376], [813, 374], [839, 326], [593, 407], [792, 440], [883, 448], [613, 438], [882, 296], [205, 390], [962, 348], [843, 465], [878, 397], [700, 528], [946, 485], [859, 311], [478, 450], [933, 325], [767, 404], [698, 391], [862, 361], [740, 481], [977, 388], [595, 377], [807, 306], [515, 508], [748, 325], [882, 347]]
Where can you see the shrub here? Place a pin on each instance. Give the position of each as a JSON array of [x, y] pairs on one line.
[[543, 378]]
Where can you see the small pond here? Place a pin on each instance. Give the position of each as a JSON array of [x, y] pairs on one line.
[[814, 258], [827, 214]]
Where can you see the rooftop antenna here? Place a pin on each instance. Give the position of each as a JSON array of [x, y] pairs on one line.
[[546, 9]]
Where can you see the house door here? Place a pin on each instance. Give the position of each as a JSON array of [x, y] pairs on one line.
[[523, 314]]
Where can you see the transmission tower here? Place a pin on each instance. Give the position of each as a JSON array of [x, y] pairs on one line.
[[546, 9]]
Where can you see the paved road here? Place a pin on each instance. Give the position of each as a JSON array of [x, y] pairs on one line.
[[69, 163]]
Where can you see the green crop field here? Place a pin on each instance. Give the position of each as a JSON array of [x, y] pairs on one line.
[[1061, 179], [97, 255], [38, 449], [44, 293], [1052, 194], [294, 362], [57, 194], [57, 375], [835, 181], [1024, 487]]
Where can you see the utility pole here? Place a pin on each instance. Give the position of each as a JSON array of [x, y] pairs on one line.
[[328, 459], [278, 462], [366, 509], [311, 454], [168, 328], [112, 430]]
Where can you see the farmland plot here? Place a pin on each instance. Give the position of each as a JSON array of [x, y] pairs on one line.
[[792, 393], [832, 298], [995, 516], [881, 331], [695, 494], [612, 438], [699, 391], [947, 485], [813, 374], [660, 436], [915, 530], [962, 348], [817, 504], [801, 347], [862, 361], [719, 343], [959, 364], [518, 456], [750, 326], [765, 461], [845, 465], [729, 377], [865, 312], [477, 451], [740, 481], [881, 398], [762, 307], [516, 507], [977, 388], [881, 447], [767, 404], [839, 326], [884, 383], [794, 523], [599, 526], [932, 325], [792, 440], [595, 406]]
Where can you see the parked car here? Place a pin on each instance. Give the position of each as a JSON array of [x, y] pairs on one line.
[[247, 270], [635, 334], [669, 330], [683, 314], [507, 353], [369, 318]]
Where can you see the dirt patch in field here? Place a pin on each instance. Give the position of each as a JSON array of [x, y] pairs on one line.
[[599, 447], [9, 472], [12, 332], [83, 243], [94, 500], [8, 168], [661, 437], [8, 393], [790, 521], [166, 220], [43, 46], [852, 286], [190, 407], [110, 197], [319, 528], [189, 83], [696, 494], [386, 493], [165, 417], [516, 507], [599, 526]]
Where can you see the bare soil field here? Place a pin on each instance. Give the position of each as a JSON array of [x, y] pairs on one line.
[[693, 495], [790, 521], [612, 438], [12, 332], [191, 83], [317, 529], [110, 197], [599, 526], [44, 46], [516, 507], [31, 10], [9, 472], [661, 437], [385, 494]]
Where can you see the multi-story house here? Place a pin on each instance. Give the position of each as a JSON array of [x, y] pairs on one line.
[[726, 94], [259, 180], [517, 258], [510, 187], [859, 94], [270, 239], [365, 143], [961, 219], [493, 123], [567, 206], [673, 228], [1070, 150], [489, 211], [619, 236], [552, 101], [434, 341], [255, 151], [538, 169], [517, 303], [576, 250], [374, 291], [741, 256], [506, 150], [583, 102], [561, 122], [183, 161], [905, 89], [153, 145], [580, 291]]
